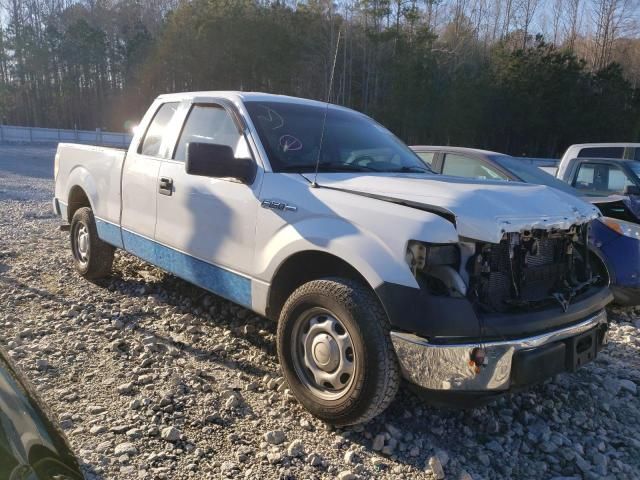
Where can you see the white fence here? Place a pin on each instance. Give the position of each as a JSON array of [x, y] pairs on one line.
[[53, 135]]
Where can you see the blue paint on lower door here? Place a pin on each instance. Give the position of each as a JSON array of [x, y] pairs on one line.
[[220, 281], [108, 232]]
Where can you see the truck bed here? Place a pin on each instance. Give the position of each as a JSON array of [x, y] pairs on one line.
[[98, 169]]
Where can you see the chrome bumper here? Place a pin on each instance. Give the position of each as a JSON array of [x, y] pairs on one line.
[[447, 367]]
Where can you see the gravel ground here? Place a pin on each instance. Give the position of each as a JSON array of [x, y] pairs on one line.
[[153, 378]]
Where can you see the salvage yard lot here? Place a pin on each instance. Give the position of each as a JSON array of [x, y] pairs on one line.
[[151, 377]]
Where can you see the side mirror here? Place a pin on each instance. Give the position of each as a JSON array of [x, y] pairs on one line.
[[631, 190], [218, 161]]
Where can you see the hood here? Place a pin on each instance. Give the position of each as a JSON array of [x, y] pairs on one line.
[[483, 210]]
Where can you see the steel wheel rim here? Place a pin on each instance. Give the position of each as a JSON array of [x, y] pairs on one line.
[[82, 244], [323, 354]]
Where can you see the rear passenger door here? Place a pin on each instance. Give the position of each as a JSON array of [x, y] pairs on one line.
[[140, 174]]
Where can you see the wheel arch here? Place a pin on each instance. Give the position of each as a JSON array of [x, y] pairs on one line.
[[76, 199], [302, 267]]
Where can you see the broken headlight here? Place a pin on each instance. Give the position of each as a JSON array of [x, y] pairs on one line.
[[436, 267]]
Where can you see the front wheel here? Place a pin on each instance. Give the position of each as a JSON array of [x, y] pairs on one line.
[[93, 258], [335, 351]]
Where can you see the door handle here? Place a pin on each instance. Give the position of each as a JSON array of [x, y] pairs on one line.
[[165, 186]]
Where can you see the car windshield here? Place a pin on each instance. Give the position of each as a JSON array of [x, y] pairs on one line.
[[531, 174], [292, 135]]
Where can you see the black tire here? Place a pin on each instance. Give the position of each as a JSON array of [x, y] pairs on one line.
[[92, 257], [376, 374]]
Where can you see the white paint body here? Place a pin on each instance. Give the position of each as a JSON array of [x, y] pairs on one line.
[[221, 222]]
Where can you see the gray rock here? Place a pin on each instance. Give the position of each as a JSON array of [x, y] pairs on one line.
[[612, 385], [97, 429], [134, 433], [126, 448], [378, 442], [170, 434], [274, 457], [347, 475], [393, 431], [232, 402], [295, 448], [351, 457], [443, 457], [436, 467], [274, 437], [629, 386], [125, 388], [119, 428], [103, 447], [483, 458], [42, 364]]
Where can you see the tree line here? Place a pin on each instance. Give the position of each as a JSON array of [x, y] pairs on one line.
[[507, 75]]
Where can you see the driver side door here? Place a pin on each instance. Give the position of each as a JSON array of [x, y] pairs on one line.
[[209, 223]]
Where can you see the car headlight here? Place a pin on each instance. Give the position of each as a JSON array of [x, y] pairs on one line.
[[436, 267], [621, 227], [421, 255]]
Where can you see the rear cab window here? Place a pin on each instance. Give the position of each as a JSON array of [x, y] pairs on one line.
[[601, 152]]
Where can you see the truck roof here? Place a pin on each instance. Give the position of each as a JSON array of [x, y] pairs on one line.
[[603, 159], [235, 96], [605, 144]]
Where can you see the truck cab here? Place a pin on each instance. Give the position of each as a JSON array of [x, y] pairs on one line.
[[626, 151], [374, 267]]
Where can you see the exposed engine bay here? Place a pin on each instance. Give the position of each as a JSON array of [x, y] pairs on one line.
[[528, 270], [534, 269]]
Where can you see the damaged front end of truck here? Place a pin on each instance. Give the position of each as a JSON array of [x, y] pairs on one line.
[[533, 269], [533, 303]]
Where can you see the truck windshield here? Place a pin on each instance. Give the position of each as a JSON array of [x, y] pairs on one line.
[[291, 134]]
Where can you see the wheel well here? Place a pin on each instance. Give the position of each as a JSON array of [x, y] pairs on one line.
[[77, 199], [301, 268]]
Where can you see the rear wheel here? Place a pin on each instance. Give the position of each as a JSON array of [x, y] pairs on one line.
[[335, 351], [93, 258]]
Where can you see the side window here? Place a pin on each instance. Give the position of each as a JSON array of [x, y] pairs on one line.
[[601, 178], [637, 153], [585, 176], [461, 166], [601, 152], [210, 124], [152, 141], [427, 157]]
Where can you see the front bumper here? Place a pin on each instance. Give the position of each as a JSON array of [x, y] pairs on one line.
[[507, 363]]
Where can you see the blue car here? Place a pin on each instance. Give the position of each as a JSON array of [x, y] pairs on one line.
[[615, 237]]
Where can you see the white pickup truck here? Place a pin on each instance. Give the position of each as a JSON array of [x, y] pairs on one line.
[[375, 268]]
